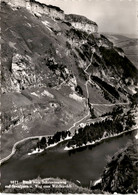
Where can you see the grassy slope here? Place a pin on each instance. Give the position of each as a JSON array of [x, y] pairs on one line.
[[24, 31], [25, 34]]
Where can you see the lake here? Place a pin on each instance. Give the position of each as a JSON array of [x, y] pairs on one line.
[[84, 165]]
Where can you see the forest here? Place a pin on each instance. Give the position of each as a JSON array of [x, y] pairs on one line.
[[115, 124], [58, 136]]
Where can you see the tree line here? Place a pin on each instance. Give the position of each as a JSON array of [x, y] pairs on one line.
[[58, 136], [118, 123]]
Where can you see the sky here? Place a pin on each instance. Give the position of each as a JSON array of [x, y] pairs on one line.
[[112, 16]]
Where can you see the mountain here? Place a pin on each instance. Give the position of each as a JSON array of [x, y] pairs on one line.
[[56, 69], [82, 23], [129, 44], [113, 177]]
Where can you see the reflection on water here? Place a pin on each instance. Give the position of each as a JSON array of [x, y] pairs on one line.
[[82, 164]]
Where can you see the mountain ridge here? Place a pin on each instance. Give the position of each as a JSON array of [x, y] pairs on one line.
[[38, 8], [46, 87], [61, 76]]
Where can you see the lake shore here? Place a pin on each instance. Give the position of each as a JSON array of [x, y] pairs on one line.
[[19, 142], [55, 144], [71, 165], [98, 141]]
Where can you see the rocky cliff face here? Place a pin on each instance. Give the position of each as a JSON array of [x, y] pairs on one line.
[[38, 8], [120, 175], [82, 23], [46, 65]]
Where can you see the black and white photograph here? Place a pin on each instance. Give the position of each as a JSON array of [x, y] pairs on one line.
[[69, 97]]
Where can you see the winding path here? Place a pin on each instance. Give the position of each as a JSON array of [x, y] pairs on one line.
[[89, 80], [14, 146], [75, 123]]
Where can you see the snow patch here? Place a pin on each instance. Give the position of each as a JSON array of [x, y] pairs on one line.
[[37, 14], [12, 44], [76, 97], [72, 83], [15, 67], [25, 127], [46, 23], [35, 110], [33, 93], [78, 181], [47, 94], [136, 136], [66, 70], [29, 25]]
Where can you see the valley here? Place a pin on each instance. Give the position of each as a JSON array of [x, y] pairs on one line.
[[128, 44], [68, 95]]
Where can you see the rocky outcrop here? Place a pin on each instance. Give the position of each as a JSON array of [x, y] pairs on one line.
[[36, 60], [120, 175], [38, 8], [22, 75], [82, 23]]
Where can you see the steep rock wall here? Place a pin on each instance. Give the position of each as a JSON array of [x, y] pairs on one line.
[[36, 7], [89, 28], [82, 23]]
